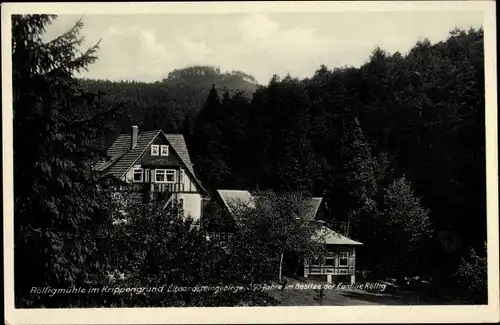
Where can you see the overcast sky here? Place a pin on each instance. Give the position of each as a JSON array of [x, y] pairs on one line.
[[148, 47]]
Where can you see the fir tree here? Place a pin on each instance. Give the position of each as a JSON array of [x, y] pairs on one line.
[[60, 207], [209, 142], [356, 174]]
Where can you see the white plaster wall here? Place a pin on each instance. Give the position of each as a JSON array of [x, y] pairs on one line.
[[192, 205], [189, 184]]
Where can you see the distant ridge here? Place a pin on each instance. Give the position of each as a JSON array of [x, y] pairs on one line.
[[172, 103], [206, 76]]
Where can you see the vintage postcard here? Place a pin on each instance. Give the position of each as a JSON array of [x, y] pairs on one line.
[[250, 162]]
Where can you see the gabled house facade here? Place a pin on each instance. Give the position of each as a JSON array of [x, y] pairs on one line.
[[156, 164], [339, 264]]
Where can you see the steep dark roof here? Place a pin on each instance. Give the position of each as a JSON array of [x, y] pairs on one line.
[[128, 158], [122, 157], [115, 152], [179, 145], [120, 146]]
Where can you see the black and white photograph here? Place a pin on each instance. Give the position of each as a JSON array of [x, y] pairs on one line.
[[172, 158]]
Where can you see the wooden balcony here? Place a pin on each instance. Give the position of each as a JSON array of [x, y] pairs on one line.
[[158, 187]]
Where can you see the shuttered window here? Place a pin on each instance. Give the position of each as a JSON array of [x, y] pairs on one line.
[[155, 150], [164, 150]]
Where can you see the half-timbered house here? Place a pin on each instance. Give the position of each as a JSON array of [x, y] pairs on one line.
[[156, 164]]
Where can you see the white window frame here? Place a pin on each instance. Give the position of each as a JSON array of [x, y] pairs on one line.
[[157, 172], [155, 150], [344, 256], [134, 173], [332, 264], [165, 148], [165, 172]]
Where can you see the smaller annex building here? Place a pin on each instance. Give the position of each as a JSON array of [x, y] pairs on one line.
[[339, 264]]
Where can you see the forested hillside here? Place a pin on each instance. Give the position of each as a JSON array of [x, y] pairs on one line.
[[346, 134], [168, 103]]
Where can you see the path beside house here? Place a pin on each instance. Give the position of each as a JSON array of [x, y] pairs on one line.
[[346, 297]]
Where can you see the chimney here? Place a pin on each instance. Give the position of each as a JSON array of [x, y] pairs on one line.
[[134, 136]]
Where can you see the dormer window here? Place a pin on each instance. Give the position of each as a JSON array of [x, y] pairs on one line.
[[164, 150], [155, 150], [138, 175]]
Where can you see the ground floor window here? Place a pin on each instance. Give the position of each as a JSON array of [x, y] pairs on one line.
[[138, 175], [329, 261], [165, 175], [344, 259]]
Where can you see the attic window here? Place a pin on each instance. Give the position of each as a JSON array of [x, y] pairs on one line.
[[138, 175], [155, 150], [164, 150]]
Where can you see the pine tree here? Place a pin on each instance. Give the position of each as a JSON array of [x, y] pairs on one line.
[[209, 150], [289, 153], [356, 174], [236, 140], [60, 207], [211, 110]]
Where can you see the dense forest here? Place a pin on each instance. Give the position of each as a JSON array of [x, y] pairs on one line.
[[395, 147], [168, 103], [344, 134]]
